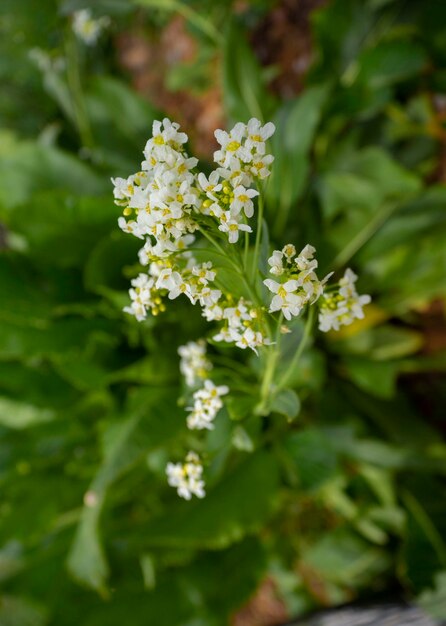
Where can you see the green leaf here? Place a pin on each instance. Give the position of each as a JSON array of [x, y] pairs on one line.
[[242, 566], [105, 263], [244, 90], [17, 611], [201, 523], [375, 377], [390, 62], [60, 228], [296, 125], [424, 549], [27, 305], [31, 167], [343, 558], [433, 601], [117, 107], [287, 403], [61, 336], [359, 195], [154, 420], [313, 456]]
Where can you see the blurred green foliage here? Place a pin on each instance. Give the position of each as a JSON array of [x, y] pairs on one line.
[[344, 483]]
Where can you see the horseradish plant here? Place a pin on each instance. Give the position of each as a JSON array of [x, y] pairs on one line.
[[179, 213]]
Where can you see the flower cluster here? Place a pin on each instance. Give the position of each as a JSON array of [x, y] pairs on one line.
[[186, 477], [243, 160], [159, 199], [87, 28], [207, 403], [178, 212], [144, 297], [165, 204], [243, 324], [194, 365], [342, 307], [300, 284]]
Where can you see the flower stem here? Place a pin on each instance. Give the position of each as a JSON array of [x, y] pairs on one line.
[[238, 267], [255, 260], [268, 377], [292, 366], [77, 94], [245, 255]]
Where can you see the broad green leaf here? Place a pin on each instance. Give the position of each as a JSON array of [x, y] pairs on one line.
[[433, 600], [19, 611], [114, 105], [61, 336], [32, 167], [27, 304], [106, 261], [381, 343], [359, 196], [60, 228], [153, 421], [296, 125], [242, 566], [413, 220], [314, 459], [287, 403], [390, 62], [245, 95], [341, 557], [424, 549], [375, 377]]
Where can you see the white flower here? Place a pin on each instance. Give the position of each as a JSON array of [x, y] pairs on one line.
[[259, 166], [250, 339], [141, 295], [232, 227], [207, 403], [275, 261], [213, 313], [258, 134], [210, 185], [226, 334], [210, 391], [187, 477], [204, 272], [304, 260], [235, 173], [208, 297], [285, 300], [193, 364], [289, 251], [343, 307], [87, 28], [237, 315], [231, 145], [242, 200]]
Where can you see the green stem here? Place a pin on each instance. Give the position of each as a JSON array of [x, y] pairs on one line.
[[77, 94], [237, 267], [245, 255], [365, 234], [284, 380], [268, 376], [255, 260], [189, 14]]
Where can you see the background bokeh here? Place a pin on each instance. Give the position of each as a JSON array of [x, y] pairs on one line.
[[349, 503]]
